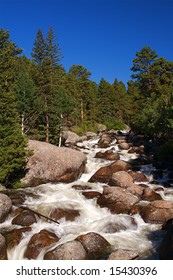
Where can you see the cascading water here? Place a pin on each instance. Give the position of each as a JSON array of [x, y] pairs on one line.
[[135, 232]]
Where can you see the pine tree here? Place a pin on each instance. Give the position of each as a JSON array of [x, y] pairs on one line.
[[12, 143], [142, 65], [81, 74], [47, 55], [28, 102], [153, 80], [53, 49], [39, 49], [106, 113]]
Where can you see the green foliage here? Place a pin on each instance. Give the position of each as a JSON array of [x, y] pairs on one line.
[[28, 102], [39, 49], [116, 124], [106, 104], [79, 130], [165, 151], [47, 55], [12, 142], [49, 99], [83, 98], [142, 65], [152, 93], [53, 51]]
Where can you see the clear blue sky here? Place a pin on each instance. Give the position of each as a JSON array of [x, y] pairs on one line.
[[101, 35]]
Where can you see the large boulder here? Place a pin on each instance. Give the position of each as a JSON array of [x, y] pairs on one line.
[[124, 146], [120, 165], [150, 195], [123, 255], [5, 206], [71, 138], [51, 164], [121, 179], [91, 135], [3, 249], [105, 140], [101, 128], [95, 245], [102, 175], [72, 250], [118, 200], [157, 212], [138, 176], [26, 218], [107, 155]]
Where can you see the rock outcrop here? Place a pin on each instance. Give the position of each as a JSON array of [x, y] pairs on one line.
[[51, 164]]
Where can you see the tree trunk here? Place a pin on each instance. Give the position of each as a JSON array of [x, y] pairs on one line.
[[47, 127], [82, 112], [22, 123], [60, 133]]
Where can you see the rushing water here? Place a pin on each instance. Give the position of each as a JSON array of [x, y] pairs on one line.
[[139, 236]]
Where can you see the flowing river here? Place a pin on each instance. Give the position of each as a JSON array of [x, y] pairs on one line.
[[138, 235]]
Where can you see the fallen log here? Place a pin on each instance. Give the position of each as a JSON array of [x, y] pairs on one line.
[[38, 214]]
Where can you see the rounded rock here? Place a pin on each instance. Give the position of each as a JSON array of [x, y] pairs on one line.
[[72, 250], [5, 206]]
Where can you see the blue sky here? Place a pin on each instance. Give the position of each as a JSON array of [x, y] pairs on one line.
[[101, 35]]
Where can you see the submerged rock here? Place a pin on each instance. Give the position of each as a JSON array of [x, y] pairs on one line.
[[14, 236], [68, 214], [38, 242], [26, 218], [91, 194]]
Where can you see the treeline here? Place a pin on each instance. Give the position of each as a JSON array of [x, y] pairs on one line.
[[50, 98], [39, 98]]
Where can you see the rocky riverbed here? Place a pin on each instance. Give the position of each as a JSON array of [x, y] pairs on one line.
[[104, 197]]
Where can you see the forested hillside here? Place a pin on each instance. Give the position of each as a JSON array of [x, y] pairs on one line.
[[39, 98]]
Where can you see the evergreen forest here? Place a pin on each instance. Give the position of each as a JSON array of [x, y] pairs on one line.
[[39, 98]]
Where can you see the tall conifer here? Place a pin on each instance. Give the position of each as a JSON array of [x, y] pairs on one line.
[[12, 143], [47, 55]]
